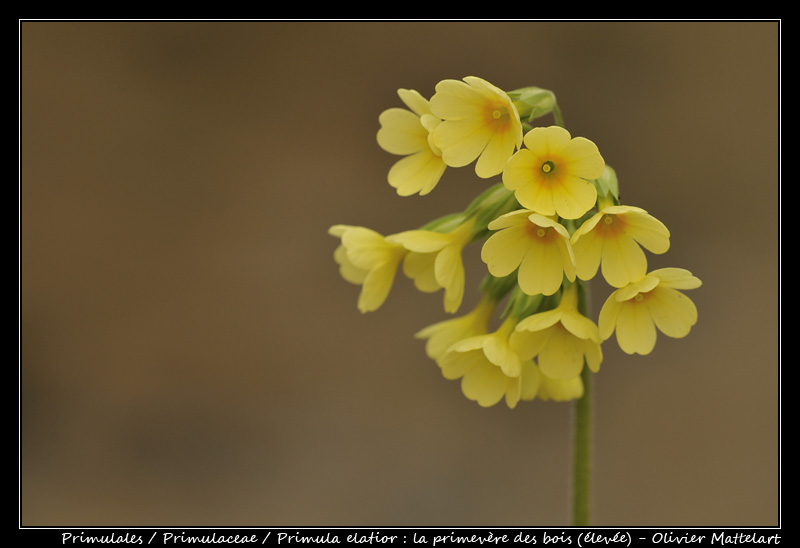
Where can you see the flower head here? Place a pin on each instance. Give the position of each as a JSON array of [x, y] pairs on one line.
[[536, 245], [551, 175], [408, 133], [488, 368], [479, 121], [611, 238], [653, 303], [367, 259], [434, 260], [561, 339]]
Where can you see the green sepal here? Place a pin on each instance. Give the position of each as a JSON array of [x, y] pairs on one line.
[[533, 102], [522, 305], [497, 200], [497, 288], [445, 223], [607, 184]]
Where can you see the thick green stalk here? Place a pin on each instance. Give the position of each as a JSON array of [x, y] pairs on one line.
[[582, 454], [582, 437]]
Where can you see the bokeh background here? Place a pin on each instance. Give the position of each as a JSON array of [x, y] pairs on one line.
[[189, 354]]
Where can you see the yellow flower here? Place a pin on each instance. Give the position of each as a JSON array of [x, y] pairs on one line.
[[611, 238], [560, 339], [441, 335], [488, 368], [479, 121], [560, 389], [538, 385], [538, 246], [367, 259], [551, 175], [407, 133], [434, 260], [654, 302]]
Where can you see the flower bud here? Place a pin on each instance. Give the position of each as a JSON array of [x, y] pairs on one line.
[[533, 102]]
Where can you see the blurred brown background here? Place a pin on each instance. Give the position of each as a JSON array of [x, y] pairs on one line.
[[189, 354]]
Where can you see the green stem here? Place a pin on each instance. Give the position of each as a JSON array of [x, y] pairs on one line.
[[581, 466], [582, 440]]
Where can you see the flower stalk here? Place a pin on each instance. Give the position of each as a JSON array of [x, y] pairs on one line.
[[582, 424], [582, 455]]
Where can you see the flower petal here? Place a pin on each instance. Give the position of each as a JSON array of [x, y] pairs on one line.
[[401, 132], [528, 344], [651, 233], [560, 389], [420, 268], [607, 321], [529, 380], [677, 278], [540, 321], [485, 384], [623, 261], [454, 365], [421, 241], [562, 357], [673, 312], [461, 141], [376, 286], [449, 272], [580, 326], [455, 99], [417, 173], [414, 101], [500, 354], [495, 155], [541, 269], [547, 140], [585, 160], [636, 332], [588, 250], [348, 270], [503, 251], [366, 248], [573, 197]]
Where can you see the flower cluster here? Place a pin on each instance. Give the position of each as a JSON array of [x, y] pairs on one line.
[[549, 226]]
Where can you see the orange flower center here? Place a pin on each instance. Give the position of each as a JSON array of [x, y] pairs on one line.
[[497, 115], [550, 173], [536, 232], [611, 226]]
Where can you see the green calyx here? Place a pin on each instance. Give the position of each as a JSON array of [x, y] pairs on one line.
[[533, 102], [608, 185]]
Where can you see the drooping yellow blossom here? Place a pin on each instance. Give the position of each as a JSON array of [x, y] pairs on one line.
[[551, 174], [560, 339], [489, 369], [441, 335], [537, 385], [368, 259], [559, 389], [637, 310], [434, 260], [408, 133], [611, 240], [479, 121], [536, 245]]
